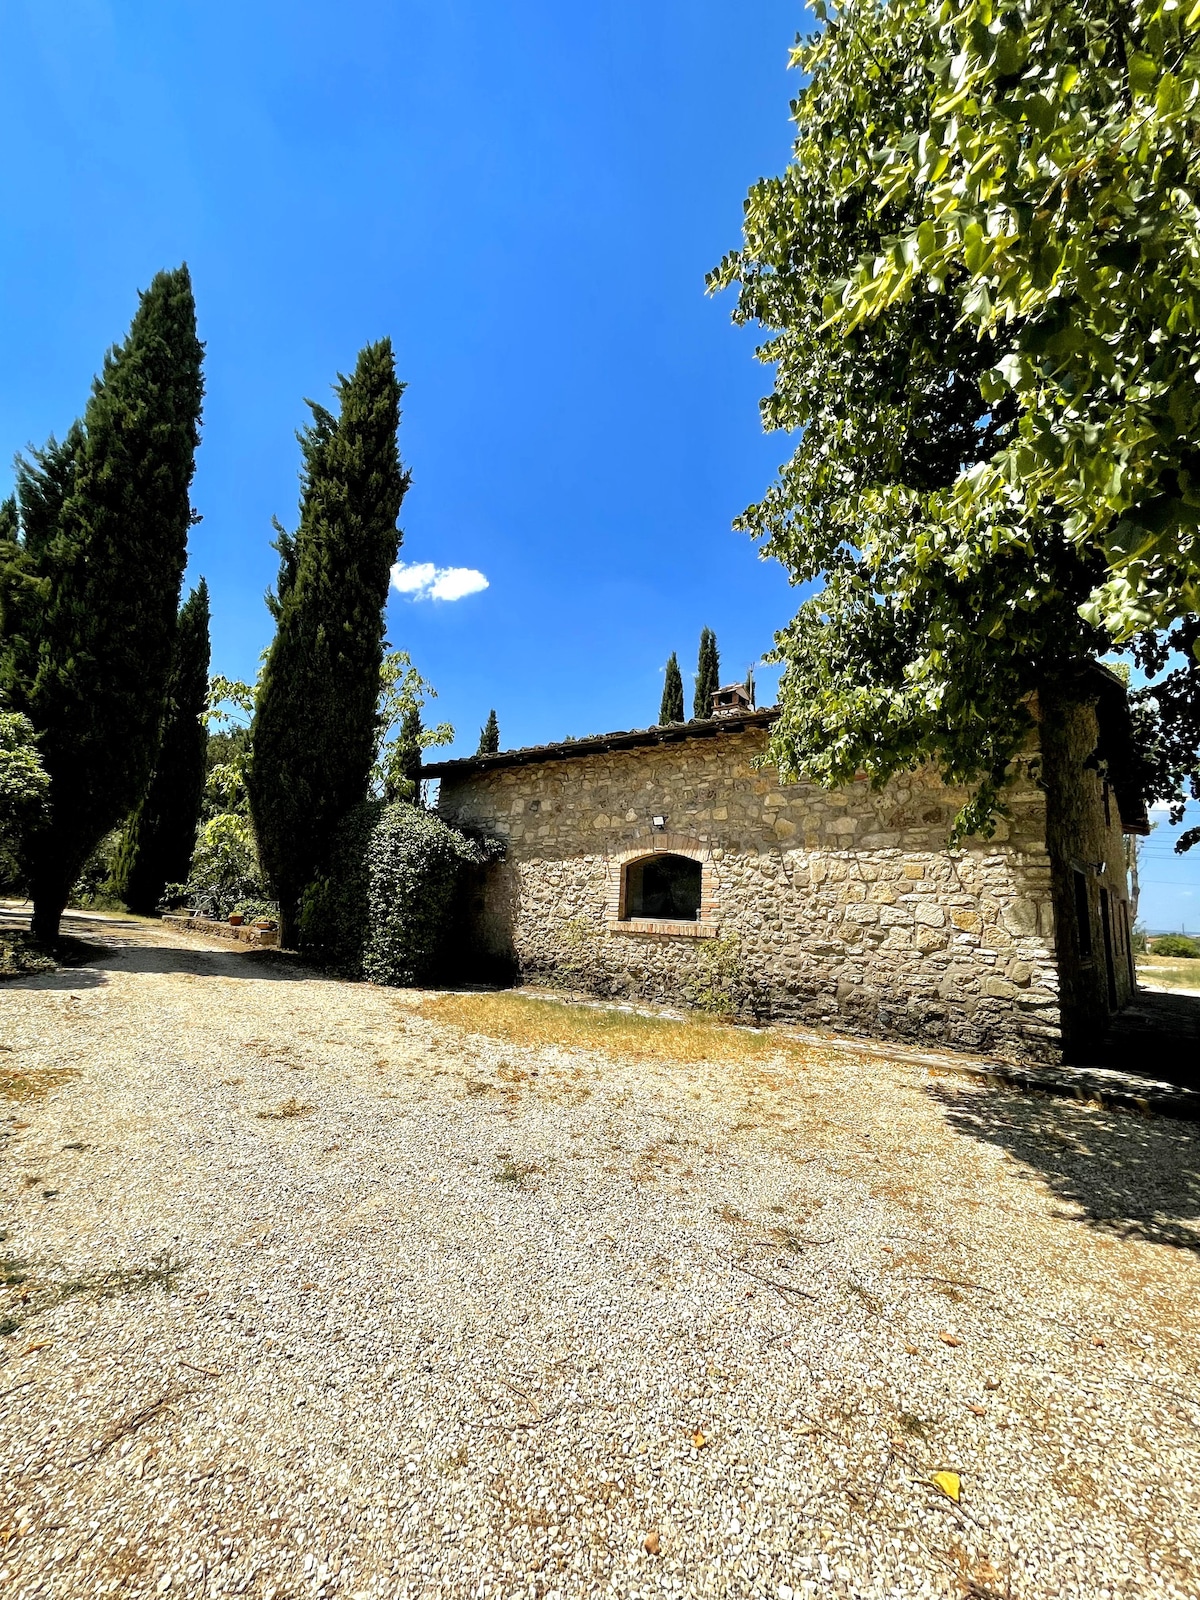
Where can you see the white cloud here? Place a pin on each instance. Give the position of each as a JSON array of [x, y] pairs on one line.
[[423, 581]]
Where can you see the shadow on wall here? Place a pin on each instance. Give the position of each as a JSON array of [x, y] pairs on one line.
[[1125, 1175]]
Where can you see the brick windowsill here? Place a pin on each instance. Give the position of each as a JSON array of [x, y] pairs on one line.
[[663, 930]]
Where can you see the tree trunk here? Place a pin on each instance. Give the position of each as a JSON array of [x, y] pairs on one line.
[[48, 908], [288, 930]]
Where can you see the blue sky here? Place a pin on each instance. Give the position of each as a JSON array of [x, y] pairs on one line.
[[526, 198]]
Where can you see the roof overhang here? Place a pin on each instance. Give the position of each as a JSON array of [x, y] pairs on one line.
[[600, 743]]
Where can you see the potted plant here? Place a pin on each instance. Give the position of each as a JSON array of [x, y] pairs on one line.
[[236, 918]]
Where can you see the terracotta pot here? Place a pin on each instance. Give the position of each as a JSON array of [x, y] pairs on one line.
[[236, 919], [265, 927]]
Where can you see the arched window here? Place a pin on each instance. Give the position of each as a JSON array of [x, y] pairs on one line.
[[664, 888]]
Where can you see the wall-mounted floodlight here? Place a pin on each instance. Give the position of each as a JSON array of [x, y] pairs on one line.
[[659, 823]]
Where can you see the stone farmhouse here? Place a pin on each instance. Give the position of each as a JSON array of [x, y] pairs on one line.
[[669, 864]]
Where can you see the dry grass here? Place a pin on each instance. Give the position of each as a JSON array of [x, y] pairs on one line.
[[34, 1294], [18, 1085], [515, 1173], [519, 1020], [291, 1107], [20, 955], [1164, 973]]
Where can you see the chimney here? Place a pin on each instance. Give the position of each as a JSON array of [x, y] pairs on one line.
[[732, 701]]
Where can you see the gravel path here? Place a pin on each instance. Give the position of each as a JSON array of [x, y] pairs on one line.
[[478, 1319]]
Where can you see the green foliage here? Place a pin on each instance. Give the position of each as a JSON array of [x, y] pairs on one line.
[[161, 834], [708, 675], [402, 736], [21, 957], [1167, 718], [1047, 195], [94, 889], [1174, 945], [384, 909], [24, 790], [227, 753], [315, 727], [89, 591], [489, 736], [671, 709], [930, 629], [225, 868], [717, 983]]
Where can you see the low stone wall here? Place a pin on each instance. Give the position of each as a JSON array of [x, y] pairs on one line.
[[844, 909], [260, 938]]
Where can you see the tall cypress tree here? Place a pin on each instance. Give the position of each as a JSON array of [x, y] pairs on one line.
[[90, 600], [489, 736], [160, 836], [671, 709], [315, 723], [402, 780], [708, 675]]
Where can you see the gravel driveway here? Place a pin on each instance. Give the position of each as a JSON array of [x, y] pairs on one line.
[[322, 1296]]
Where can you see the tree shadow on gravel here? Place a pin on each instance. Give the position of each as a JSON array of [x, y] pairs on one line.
[[163, 958], [91, 963], [1127, 1175]]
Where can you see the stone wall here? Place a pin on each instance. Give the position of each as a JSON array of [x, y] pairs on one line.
[[842, 908]]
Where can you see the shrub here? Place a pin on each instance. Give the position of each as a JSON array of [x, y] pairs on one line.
[[24, 789], [384, 909], [225, 870], [94, 889], [1176, 944]]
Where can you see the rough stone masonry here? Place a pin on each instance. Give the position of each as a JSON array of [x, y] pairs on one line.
[[843, 908]]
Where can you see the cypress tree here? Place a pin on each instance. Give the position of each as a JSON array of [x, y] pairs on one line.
[[708, 675], [91, 596], [489, 736], [402, 776], [160, 836], [315, 725], [671, 709]]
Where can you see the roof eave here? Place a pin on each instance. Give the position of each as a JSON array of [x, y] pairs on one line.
[[599, 744]]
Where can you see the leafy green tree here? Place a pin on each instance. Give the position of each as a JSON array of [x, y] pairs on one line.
[[921, 642], [90, 590], [402, 736], [160, 836], [1042, 195], [1167, 718], [24, 790], [671, 709], [314, 733], [489, 736], [225, 869], [225, 872], [708, 675], [228, 718]]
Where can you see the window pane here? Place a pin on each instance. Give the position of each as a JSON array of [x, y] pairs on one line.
[[666, 888]]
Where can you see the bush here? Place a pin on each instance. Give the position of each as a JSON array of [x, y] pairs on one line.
[[94, 889], [225, 871], [384, 909], [24, 790], [1176, 944]]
